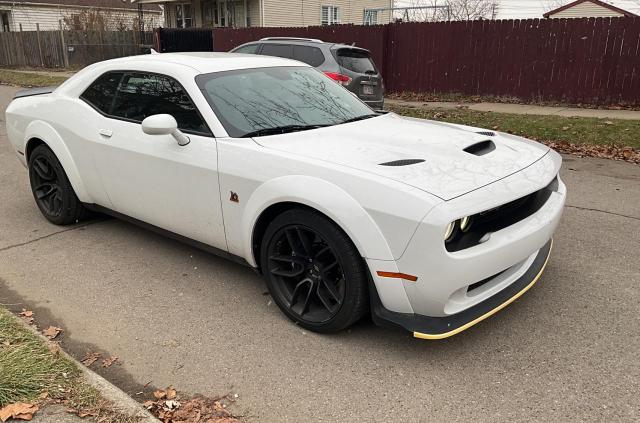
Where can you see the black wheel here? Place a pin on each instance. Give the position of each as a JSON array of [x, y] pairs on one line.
[[313, 271], [51, 189]]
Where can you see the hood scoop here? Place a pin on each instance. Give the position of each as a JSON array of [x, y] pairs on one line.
[[404, 162], [481, 148], [487, 133]]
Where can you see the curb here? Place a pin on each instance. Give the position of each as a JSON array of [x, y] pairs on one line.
[[121, 401]]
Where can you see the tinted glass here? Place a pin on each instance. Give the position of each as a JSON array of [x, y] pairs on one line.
[[100, 94], [310, 55], [279, 50], [356, 61], [250, 49], [141, 95], [248, 100]]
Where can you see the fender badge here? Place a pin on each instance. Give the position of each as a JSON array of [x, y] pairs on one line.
[[234, 197]]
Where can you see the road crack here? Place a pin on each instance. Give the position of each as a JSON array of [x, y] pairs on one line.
[[31, 241], [603, 211]]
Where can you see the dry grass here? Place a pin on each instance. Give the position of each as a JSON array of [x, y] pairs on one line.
[[31, 372], [25, 79]]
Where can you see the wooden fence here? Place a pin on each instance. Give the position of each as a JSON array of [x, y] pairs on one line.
[[62, 49], [590, 61]]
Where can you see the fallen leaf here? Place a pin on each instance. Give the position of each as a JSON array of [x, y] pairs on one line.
[[159, 394], [27, 316], [171, 393], [107, 362], [90, 358], [43, 395], [26, 313], [148, 404], [54, 347], [51, 332], [19, 411]]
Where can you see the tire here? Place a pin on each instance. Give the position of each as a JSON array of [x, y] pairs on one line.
[[313, 271], [52, 190]]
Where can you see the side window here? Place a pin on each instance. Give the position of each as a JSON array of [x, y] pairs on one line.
[[249, 49], [278, 50], [100, 94], [310, 55], [141, 95]]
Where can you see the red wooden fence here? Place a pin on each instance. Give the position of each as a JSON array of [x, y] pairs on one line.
[[594, 61]]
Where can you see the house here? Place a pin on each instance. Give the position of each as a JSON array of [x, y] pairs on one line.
[[245, 13], [47, 14], [588, 9]]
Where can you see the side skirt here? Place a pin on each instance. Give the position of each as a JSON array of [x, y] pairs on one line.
[[185, 240]]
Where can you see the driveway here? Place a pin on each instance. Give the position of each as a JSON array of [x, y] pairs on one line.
[[566, 351]]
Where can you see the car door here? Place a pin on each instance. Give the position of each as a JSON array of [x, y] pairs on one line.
[[150, 177]]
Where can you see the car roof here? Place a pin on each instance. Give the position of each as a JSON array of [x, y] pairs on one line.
[[206, 62]]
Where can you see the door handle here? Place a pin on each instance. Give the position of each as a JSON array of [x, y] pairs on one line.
[[107, 133]]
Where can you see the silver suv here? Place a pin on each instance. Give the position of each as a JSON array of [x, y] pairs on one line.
[[348, 65]]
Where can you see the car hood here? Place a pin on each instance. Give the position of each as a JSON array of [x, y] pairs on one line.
[[447, 171]]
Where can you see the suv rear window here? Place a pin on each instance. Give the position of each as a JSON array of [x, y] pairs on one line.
[[356, 61]]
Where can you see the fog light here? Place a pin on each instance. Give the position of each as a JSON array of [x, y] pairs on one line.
[[449, 231], [465, 223]]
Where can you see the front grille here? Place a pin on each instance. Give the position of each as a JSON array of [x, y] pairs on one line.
[[500, 217]]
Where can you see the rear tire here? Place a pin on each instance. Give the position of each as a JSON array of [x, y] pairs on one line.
[[52, 190], [313, 271]]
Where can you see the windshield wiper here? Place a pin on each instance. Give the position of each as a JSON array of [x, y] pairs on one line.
[[280, 130], [357, 118]]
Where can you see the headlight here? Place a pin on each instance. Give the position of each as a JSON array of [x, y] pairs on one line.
[[449, 231], [465, 223]]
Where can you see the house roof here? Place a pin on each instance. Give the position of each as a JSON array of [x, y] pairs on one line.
[[597, 2], [98, 4]]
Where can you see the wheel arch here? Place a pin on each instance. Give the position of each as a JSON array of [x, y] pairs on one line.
[[284, 193], [41, 133]]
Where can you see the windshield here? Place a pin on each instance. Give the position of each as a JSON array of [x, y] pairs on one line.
[[253, 102]]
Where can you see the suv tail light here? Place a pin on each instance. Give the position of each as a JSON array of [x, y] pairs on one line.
[[339, 78]]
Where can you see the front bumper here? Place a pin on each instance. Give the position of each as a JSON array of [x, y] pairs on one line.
[[456, 289], [426, 327]]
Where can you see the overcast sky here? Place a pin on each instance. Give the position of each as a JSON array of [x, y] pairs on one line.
[[510, 9]]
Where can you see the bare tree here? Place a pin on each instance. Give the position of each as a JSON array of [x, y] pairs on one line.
[[443, 10], [464, 10]]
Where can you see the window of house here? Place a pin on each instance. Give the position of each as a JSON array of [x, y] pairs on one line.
[[370, 17], [100, 94], [278, 50], [5, 26], [184, 17], [330, 15], [310, 55]]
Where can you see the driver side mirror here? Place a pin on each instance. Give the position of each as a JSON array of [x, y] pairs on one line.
[[164, 125]]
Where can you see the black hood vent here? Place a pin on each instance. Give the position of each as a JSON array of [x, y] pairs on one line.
[[481, 148], [404, 162], [487, 133]]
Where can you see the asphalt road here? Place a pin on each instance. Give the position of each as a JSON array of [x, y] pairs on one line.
[[566, 351]]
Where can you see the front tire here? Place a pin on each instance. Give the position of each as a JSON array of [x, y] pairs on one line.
[[52, 190], [313, 271]]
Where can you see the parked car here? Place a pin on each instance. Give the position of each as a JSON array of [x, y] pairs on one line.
[[350, 66], [431, 226]]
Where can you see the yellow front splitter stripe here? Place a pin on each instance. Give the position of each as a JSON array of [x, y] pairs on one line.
[[489, 313]]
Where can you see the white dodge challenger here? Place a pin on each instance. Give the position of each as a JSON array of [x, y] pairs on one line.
[[429, 226]]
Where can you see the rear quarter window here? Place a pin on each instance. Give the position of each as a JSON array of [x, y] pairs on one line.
[[102, 91], [358, 61], [312, 56]]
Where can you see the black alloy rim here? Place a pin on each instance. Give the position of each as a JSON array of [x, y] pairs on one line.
[[46, 183], [307, 274]]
